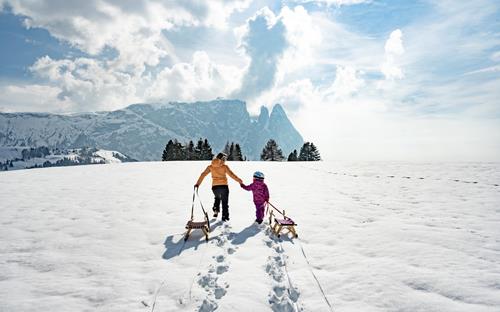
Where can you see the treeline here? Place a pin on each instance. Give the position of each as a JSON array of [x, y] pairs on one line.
[[174, 150], [5, 166], [272, 152]]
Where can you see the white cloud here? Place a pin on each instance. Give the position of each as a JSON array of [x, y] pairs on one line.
[[33, 98], [303, 37], [132, 28], [219, 11], [296, 97], [393, 50], [201, 79], [490, 69], [335, 2], [495, 56], [346, 83], [88, 82], [276, 46], [263, 40]]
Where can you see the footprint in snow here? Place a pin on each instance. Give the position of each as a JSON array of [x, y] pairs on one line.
[[283, 296], [211, 282], [221, 269], [208, 306], [215, 288]]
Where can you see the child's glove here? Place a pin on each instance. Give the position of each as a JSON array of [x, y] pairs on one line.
[[242, 185]]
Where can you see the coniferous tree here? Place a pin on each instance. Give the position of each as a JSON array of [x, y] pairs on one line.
[[309, 152], [237, 152], [227, 148], [189, 153], [168, 151], [305, 152], [315, 156], [198, 149], [174, 150], [293, 156], [271, 152], [206, 151], [179, 152], [230, 155]]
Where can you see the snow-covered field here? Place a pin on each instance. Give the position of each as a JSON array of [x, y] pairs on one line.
[[372, 237]]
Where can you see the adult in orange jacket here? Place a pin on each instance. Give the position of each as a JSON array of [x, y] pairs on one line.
[[219, 169]]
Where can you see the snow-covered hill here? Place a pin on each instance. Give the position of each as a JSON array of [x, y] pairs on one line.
[[14, 158], [372, 237], [142, 130]]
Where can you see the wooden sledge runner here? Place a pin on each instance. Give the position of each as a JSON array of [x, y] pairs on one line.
[[201, 225], [285, 223]]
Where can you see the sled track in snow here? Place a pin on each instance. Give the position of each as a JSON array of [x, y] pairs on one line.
[[315, 278], [402, 177]]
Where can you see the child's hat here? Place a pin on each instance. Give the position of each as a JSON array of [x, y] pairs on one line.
[[258, 175]]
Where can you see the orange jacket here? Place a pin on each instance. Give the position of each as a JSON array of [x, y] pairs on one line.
[[219, 169]]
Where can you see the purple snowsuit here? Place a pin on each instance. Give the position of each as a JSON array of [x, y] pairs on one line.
[[260, 196]]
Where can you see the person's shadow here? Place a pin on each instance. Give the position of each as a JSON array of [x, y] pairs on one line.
[[246, 233], [174, 248]]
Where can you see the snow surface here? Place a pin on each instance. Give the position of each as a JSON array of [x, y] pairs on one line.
[[372, 237], [110, 156]]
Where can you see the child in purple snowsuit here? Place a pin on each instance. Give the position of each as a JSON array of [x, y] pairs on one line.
[[260, 194]]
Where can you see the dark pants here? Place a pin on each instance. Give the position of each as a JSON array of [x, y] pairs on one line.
[[221, 193], [259, 210]]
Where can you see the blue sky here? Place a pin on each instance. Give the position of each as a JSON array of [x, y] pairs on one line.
[[386, 79]]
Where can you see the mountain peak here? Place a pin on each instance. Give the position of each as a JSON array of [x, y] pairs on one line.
[[263, 117], [278, 110]]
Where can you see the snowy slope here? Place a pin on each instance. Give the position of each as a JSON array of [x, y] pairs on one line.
[[372, 237], [12, 158]]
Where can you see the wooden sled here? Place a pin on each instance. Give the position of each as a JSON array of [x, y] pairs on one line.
[[202, 225], [285, 223]]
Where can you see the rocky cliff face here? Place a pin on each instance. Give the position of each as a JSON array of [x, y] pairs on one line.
[[142, 130]]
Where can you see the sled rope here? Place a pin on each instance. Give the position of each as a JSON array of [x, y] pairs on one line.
[[315, 278], [195, 193], [156, 295], [279, 211]]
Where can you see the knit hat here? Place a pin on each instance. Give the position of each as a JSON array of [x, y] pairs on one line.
[[258, 175]]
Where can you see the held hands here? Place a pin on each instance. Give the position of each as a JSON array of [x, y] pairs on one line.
[[242, 185]]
